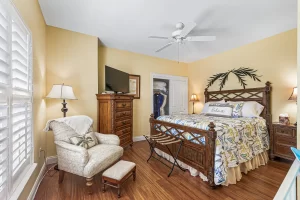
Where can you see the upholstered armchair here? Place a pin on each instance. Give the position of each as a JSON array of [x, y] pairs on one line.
[[81, 161]]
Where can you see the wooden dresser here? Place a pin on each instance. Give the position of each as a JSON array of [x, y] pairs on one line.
[[283, 137], [115, 116]]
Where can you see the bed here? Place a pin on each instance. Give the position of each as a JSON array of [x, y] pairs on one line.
[[202, 149]]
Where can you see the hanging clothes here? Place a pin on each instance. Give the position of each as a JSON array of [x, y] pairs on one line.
[[158, 101]]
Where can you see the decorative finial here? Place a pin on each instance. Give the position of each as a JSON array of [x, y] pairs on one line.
[[211, 126]]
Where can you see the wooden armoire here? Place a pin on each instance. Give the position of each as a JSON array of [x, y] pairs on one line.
[[115, 112]]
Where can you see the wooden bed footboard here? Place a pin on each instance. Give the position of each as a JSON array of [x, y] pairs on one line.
[[198, 151]]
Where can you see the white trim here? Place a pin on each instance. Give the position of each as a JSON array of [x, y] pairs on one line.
[[171, 89], [19, 189], [51, 160], [138, 138], [37, 183]]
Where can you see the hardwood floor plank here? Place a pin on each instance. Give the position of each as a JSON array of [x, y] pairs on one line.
[[152, 183]]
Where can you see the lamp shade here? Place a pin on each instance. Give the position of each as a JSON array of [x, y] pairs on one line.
[[294, 94], [61, 92], [194, 98]]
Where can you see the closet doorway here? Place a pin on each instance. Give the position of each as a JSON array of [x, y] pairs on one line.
[[169, 94]]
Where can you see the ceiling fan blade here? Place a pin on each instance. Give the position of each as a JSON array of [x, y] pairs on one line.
[[188, 27], [201, 38], [158, 37], [162, 48]]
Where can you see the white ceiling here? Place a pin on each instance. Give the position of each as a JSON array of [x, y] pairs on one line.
[[126, 24]]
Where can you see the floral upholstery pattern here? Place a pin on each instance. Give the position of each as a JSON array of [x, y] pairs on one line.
[[79, 160], [238, 139]]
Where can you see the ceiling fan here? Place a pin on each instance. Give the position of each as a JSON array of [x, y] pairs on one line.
[[180, 35]]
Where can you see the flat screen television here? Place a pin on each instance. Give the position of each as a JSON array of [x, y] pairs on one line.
[[116, 80]]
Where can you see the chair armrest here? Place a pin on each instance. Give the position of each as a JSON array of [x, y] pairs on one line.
[[66, 151], [108, 139]]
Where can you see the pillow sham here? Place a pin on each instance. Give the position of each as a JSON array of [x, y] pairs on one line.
[[250, 108], [237, 109], [220, 109], [87, 141], [205, 107]]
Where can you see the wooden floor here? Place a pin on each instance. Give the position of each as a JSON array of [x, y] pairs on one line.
[[152, 183]]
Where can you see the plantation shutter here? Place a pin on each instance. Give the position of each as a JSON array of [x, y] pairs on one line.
[[15, 99], [4, 98], [21, 98]]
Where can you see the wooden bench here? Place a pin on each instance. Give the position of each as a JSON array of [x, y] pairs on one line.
[[116, 175]]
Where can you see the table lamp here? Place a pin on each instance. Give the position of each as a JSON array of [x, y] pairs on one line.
[[194, 99], [293, 97], [62, 92]]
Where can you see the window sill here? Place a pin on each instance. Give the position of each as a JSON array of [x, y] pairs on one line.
[[20, 188]]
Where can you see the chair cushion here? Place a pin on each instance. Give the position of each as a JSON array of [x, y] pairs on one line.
[[119, 170], [100, 157], [87, 141]]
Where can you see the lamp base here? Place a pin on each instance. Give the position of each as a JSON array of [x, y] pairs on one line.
[[64, 108], [193, 107]]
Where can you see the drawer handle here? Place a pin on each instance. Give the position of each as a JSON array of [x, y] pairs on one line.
[[124, 113], [123, 104], [123, 123]]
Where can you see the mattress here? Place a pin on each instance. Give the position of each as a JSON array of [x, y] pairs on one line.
[[238, 139]]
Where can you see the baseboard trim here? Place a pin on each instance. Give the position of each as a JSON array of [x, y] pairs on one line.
[[138, 138], [51, 160], [37, 183]]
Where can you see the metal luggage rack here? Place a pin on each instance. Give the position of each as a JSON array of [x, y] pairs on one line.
[[164, 140]]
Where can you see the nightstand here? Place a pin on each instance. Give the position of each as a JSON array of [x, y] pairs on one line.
[[283, 137]]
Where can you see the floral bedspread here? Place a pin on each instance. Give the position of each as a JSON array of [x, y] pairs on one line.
[[238, 139]]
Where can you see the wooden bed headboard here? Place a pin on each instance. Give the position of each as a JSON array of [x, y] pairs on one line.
[[260, 95]]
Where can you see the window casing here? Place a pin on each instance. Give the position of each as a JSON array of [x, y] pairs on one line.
[[16, 97]]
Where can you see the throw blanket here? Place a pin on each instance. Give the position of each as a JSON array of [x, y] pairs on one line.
[[238, 139], [80, 123]]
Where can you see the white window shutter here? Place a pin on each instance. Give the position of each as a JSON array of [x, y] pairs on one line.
[[21, 99], [4, 98], [15, 99]]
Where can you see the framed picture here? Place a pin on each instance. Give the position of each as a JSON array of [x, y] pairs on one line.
[[134, 85]]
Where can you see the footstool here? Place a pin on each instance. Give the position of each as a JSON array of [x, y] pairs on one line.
[[117, 174]]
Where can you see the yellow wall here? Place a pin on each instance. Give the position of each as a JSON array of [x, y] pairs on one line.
[[275, 58], [142, 65], [31, 14], [72, 58]]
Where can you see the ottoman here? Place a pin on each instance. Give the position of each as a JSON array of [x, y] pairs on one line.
[[117, 174]]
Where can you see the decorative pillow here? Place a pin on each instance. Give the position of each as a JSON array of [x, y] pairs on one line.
[[250, 108], [205, 107], [237, 109], [220, 109], [87, 141]]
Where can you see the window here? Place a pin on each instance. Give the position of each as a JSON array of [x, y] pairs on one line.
[[15, 99]]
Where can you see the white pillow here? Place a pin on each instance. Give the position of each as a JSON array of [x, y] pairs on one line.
[[205, 107], [250, 108]]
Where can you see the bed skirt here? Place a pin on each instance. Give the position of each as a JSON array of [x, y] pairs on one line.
[[234, 174]]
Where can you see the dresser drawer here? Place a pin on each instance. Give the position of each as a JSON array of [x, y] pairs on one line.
[[123, 123], [122, 105], [124, 131], [125, 140], [283, 151], [123, 114], [284, 131], [285, 140]]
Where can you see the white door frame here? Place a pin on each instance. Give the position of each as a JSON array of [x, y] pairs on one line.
[[169, 77]]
